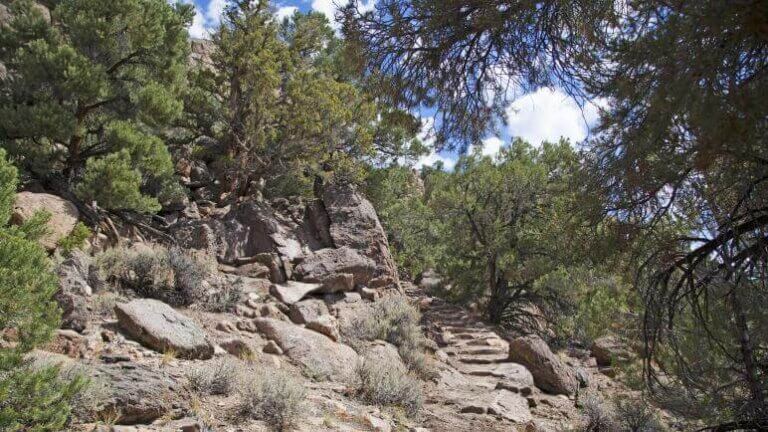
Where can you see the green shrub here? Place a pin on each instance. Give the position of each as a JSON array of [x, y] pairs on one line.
[[273, 397], [75, 239], [35, 399], [385, 384]]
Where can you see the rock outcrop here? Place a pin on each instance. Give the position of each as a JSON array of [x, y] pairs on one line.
[[63, 215], [161, 328], [549, 372], [354, 224], [317, 354]]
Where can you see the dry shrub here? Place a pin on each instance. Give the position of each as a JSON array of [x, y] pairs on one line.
[[396, 321], [385, 384], [219, 377], [273, 397], [169, 275]]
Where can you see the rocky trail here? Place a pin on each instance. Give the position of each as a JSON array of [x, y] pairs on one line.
[[480, 387]]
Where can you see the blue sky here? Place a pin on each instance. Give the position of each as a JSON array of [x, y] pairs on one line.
[[545, 114]]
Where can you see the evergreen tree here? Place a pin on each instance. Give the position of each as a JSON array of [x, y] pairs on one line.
[[31, 399], [97, 79], [284, 107]]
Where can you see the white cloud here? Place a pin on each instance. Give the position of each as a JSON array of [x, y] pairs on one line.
[[214, 12], [329, 8], [427, 137], [491, 146], [197, 29], [285, 12], [549, 114]]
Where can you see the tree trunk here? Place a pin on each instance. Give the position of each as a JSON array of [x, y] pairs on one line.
[[751, 373], [498, 286]]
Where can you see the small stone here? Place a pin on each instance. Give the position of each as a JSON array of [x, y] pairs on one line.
[[247, 326], [376, 424], [226, 326], [272, 348], [244, 311], [369, 294], [237, 348]]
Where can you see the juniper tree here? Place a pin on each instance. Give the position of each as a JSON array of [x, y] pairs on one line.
[[283, 105], [31, 398], [97, 79]]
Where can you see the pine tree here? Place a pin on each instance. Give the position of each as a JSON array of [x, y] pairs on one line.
[[31, 398], [98, 78]]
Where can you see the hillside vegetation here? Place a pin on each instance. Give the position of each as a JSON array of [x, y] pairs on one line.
[[239, 233]]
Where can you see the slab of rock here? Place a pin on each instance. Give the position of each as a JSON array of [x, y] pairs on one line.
[[161, 328], [317, 354], [64, 215], [291, 292], [308, 310], [327, 325], [609, 349], [137, 393], [355, 224], [325, 263], [500, 403], [549, 372]]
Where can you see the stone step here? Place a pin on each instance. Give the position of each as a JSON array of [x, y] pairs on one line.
[[475, 350], [483, 359]]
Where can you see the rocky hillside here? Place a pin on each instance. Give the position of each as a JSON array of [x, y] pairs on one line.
[[289, 315]]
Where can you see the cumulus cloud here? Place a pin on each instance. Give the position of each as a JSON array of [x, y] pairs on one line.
[[329, 8], [206, 19], [549, 114], [490, 146], [285, 12]]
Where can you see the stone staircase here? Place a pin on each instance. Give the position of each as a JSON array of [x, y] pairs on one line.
[[478, 387]]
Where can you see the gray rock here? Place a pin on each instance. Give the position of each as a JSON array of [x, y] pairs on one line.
[[160, 327], [292, 291], [549, 372], [136, 393], [64, 215], [308, 310], [325, 324], [324, 263], [608, 350], [355, 224], [317, 354]]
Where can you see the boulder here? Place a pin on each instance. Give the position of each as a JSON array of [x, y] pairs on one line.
[[386, 353], [291, 292], [137, 393], [355, 224], [237, 347], [64, 215], [549, 372], [318, 355], [253, 227], [160, 327], [609, 349], [325, 263], [327, 325], [308, 310], [76, 275]]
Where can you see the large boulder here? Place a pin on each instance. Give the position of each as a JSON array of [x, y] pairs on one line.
[[326, 265], [64, 215], [316, 353], [549, 372], [609, 349], [253, 227], [160, 327], [355, 224], [137, 394]]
